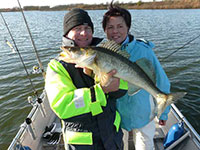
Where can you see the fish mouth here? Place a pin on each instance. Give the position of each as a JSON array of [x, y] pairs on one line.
[[65, 53]]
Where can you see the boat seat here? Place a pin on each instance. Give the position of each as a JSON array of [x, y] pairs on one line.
[[160, 135], [179, 141]]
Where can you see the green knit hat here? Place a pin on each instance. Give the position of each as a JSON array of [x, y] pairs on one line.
[[75, 18]]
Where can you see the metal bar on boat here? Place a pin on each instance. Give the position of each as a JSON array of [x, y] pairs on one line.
[[30, 129], [42, 109], [180, 115], [17, 137], [23, 128], [29, 121], [27, 125]]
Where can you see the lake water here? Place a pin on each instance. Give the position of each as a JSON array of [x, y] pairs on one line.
[[168, 29]]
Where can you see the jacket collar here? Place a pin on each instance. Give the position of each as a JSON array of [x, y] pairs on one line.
[[129, 39], [128, 46]]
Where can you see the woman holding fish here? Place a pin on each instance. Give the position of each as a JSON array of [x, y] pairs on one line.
[[87, 110], [137, 111]]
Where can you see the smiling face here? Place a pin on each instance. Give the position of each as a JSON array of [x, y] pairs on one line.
[[82, 35], [116, 29]]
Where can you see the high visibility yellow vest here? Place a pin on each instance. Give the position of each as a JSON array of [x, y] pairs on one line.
[[67, 101]]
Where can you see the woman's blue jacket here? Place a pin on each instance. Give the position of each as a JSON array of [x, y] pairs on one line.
[[135, 110]]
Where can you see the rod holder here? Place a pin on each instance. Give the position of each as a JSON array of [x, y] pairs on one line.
[[30, 128]]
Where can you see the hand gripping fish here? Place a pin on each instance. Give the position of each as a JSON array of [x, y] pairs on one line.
[[108, 56]]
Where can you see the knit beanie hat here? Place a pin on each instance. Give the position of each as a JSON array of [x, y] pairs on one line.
[[75, 18]]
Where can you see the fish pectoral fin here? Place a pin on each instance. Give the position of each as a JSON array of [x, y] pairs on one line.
[[132, 89], [148, 68]]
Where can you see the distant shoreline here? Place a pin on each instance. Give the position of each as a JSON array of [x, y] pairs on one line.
[[167, 4]]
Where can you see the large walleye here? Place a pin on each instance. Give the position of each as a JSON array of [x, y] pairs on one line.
[[108, 56]]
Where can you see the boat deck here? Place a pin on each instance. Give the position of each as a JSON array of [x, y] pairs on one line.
[[31, 134], [185, 144]]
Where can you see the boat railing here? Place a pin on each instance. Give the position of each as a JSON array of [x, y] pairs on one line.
[[195, 135], [27, 125]]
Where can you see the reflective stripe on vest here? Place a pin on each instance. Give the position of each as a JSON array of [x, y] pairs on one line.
[[123, 85], [85, 138], [95, 107], [117, 121], [79, 138], [65, 98], [79, 98]]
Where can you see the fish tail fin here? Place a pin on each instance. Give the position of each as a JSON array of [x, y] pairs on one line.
[[164, 100]]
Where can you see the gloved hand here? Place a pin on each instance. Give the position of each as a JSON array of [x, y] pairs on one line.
[[55, 138], [48, 131], [52, 134]]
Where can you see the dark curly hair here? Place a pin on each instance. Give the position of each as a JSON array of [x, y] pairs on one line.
[[116, 11]]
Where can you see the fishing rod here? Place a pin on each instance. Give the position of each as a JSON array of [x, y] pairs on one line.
[[180, 48], [21, 59], [33, 44], [39, 100]]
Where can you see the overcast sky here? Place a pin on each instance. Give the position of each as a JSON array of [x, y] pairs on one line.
[[13, 3]]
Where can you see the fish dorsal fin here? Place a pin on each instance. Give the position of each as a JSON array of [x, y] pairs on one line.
[[124, 53], [148, 68], [111, 45], [114, 47]]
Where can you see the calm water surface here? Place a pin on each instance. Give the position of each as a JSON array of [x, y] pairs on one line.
[[168, 29]]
